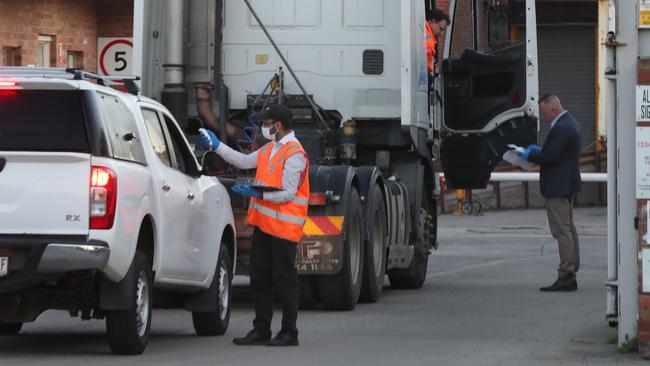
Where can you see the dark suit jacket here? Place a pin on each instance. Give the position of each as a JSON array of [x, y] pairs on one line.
[[560, 159]]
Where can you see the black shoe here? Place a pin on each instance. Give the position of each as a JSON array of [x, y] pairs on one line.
[[284, 339], [253, 338], [565, 284]]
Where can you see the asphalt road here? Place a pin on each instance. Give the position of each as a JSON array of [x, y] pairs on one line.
[[480, 306]]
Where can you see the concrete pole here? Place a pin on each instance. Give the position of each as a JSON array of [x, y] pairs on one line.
[[627, 15], [607, 23]]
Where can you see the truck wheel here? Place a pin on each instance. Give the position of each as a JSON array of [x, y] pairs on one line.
[[216, 322], [374, 268], [341, 291], [128, 330], [10, 328]]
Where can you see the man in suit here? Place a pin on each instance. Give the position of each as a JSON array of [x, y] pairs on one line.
[[559, 183]]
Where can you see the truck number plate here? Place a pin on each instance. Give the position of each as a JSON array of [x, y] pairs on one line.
[[4, 266]]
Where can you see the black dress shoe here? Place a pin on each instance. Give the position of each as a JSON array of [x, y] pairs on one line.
[[253, 338], [283, 340], [565, 284]]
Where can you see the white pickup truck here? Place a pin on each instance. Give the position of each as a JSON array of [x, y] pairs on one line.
[[105, 211]]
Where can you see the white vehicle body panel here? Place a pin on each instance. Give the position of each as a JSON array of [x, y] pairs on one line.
[[323, 42], [44, 193]]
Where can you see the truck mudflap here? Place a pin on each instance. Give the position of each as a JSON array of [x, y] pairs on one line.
[[321, 249]]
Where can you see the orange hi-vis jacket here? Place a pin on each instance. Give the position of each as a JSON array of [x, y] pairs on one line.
[[282, 220], [431, 47]]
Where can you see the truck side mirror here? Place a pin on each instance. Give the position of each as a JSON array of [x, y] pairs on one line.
[[211, 164], [498, 28]]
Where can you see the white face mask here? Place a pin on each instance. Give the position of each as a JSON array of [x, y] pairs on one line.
[[266, 132]]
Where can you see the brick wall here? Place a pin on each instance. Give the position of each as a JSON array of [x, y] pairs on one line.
[[115, 18], [74, 26], [72, 23]]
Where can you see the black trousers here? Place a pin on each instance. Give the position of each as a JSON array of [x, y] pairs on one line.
[[272, 266]]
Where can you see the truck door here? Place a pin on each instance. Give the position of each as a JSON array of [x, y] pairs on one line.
[[414, 78], [489, 87]]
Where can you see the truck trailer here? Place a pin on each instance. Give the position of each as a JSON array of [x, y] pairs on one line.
[[354, 73]]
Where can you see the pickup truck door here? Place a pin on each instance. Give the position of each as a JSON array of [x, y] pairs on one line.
[[489, 87], [178, 241]]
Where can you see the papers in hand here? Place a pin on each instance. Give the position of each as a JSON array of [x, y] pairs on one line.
[[512, 156]]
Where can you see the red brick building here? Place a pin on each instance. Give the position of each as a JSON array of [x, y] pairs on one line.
[[60, 33]]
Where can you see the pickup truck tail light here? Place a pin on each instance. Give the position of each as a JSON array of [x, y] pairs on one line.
[[103, 198]]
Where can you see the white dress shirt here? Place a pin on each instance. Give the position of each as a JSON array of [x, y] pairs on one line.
[[556, 118], [293, 167]]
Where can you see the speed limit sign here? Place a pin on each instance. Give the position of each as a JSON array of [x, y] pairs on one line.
[[115, 56]]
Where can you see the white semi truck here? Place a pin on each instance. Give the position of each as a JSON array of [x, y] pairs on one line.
[[354, 73]]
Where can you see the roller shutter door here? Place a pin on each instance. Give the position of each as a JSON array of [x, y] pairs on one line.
[[567, 68]]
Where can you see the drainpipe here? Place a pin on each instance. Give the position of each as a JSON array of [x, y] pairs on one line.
[[174, 95]]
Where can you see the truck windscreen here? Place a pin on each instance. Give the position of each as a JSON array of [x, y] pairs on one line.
[[42, 120]]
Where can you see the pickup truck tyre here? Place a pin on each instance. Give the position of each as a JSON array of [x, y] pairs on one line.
[[10, 328], [128, 330], [374, 269], [216, 322], [341, 291]]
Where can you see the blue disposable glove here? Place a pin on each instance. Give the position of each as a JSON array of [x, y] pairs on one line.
[[534, 148], [209, 139], [246, 190]]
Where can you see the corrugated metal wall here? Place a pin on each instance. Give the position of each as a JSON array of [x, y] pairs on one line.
[[567, 69]]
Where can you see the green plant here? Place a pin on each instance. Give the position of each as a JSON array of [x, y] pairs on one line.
[[630, 345]]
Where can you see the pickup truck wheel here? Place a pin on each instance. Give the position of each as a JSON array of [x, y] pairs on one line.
[[341, 291], [128, 330], [10, 328], [216, 322], [375, 258]]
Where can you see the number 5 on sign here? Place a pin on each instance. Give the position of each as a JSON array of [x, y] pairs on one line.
[[115, 56]]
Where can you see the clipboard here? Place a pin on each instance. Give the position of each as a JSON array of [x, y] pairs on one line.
[[263, 188]]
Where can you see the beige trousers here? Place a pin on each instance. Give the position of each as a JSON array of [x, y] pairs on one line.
[[560, 219]]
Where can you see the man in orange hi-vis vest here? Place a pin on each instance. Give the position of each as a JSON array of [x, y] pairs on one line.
[[437, 22], [279, 200]]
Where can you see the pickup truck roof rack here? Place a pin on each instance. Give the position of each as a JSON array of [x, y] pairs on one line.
[[72, 73]]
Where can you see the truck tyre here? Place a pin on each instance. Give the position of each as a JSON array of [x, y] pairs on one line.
[[374, 269], [10, 328], [128, 330], [341, 291], [216, 322]]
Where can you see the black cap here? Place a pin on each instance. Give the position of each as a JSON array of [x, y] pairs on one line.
[[278, 113]]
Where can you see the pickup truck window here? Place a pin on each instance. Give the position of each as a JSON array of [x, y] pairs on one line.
[[121, 129], [42, 120], [183, 157], [156, 136]]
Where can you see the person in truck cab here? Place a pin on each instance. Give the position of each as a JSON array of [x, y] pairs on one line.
[[437, 22], [278, 213]]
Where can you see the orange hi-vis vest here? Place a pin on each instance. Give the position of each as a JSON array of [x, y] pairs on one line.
[[282, 220], [431, 47]]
